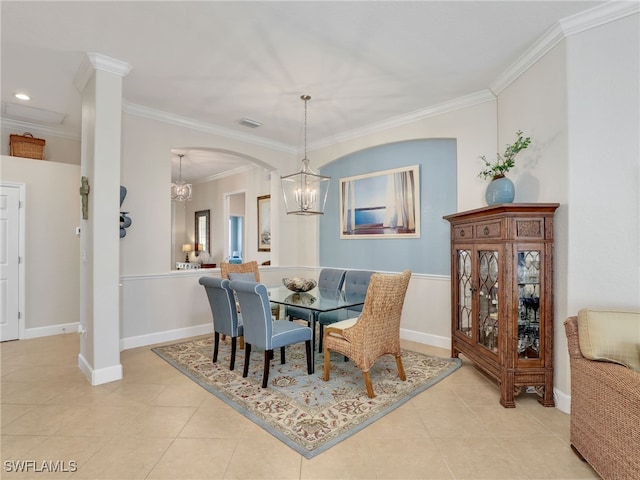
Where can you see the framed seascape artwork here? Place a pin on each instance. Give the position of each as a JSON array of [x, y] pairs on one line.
[[382, 204], [264, 223]]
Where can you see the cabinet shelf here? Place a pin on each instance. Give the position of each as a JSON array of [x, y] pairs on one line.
[[502, 295]]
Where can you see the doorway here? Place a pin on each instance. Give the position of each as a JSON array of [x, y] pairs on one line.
[[235, 213], [11, 274]]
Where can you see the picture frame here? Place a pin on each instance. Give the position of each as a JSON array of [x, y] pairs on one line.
[[384, 204], [264, 223]]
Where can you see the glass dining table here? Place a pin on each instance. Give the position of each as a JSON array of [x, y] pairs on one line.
[[317, 301]]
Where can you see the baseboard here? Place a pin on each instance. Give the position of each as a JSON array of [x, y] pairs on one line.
[[101, 375], [563, 401], [165, 336], [50, 330], [425, 338]]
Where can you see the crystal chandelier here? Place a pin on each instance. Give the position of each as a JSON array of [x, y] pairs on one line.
[[305, 192], [180, 190]]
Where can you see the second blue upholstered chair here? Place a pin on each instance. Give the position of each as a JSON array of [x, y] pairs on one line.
[[260, 330]]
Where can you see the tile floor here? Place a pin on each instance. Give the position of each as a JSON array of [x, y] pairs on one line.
[[157, 424]]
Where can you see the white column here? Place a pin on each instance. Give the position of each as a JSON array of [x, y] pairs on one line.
[[99, 79]]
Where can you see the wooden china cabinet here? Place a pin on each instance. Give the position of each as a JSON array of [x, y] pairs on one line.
[[502, 295]]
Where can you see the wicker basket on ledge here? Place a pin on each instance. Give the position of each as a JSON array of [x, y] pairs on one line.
[[26, 146]]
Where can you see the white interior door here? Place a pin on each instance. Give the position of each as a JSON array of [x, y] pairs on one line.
[[9, 262]]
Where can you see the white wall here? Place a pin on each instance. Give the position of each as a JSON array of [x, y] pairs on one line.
[[52, 249], [58, 147]]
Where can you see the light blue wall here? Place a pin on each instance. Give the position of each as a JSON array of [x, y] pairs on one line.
[[428, 254]]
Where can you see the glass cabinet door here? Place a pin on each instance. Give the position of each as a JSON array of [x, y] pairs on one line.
[[529, 304], [465, 290], [488, 299]]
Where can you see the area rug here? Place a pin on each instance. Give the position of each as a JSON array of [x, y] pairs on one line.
[[302, 410]]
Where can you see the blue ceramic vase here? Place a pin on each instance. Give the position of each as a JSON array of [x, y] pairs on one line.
[[500, 190]]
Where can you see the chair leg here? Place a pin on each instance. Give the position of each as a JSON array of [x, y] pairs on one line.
[[320, 339], [327, 364], [307, 346], [282, 360], [233, 353], [401, 373], [216, 343], [367, 383], [247, 353], [265, 374], [241, 343]]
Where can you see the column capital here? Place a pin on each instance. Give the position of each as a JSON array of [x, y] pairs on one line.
[[96, 61]]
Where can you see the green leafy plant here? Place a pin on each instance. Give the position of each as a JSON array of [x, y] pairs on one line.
[[505, 162]]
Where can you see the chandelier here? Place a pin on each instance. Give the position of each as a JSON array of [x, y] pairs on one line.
[[305, 192], [180, 190]]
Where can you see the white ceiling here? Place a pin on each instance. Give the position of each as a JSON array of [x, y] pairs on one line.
[[211, 62]]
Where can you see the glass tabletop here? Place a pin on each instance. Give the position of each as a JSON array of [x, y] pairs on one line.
[[316, 299]]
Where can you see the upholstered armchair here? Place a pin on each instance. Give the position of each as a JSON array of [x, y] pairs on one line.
[[375, 332]]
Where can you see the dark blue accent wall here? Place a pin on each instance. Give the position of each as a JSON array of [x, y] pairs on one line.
[[438, 196]]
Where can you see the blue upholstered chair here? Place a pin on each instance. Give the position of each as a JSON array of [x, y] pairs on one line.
[[356, 283], [329, 280], [261, 331], [226, 320]]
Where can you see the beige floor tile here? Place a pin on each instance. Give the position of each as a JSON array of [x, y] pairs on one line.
[[478, 394], [189, 458], [123, 458], [27, 393], [451, 421], [271, 459], [477, 458], [11, 412], [218, 422], [418, 458], [15, 447], [401, 424], [133, 395], [505, 422], [546, 458], [189, 395], [347, 461], [437, 395], [41, 420]]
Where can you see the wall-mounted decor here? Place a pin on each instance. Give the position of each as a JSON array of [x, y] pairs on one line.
[[125, 221], [84, 193], [264, 223], [383, 204]]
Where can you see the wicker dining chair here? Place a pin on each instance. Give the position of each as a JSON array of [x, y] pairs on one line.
[[375, 332]]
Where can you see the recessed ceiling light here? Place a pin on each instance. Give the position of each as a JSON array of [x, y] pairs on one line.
[[22, 96]]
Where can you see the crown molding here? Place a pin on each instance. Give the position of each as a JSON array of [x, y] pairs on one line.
[[166, 117], [466, 101], [227, 173], [96, 61], [38, 129], [600, 15], [580, 22]]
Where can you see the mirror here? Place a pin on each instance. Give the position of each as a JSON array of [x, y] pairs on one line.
[[201, 233]]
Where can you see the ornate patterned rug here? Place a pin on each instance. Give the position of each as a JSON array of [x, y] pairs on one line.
[[303, 411]]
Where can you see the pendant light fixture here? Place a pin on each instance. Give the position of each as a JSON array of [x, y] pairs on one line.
[[305, 192], [180, 190]]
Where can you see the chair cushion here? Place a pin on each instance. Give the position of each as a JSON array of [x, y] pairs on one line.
[[287, 333], [610, 335], [342, 325]]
